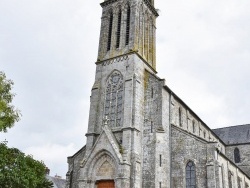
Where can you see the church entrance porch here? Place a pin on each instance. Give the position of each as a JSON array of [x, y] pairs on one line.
[[106, 184]]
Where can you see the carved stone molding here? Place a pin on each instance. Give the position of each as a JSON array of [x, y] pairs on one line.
[[115, 60]]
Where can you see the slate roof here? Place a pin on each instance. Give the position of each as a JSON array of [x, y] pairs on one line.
[[239, 134], [57, 182]]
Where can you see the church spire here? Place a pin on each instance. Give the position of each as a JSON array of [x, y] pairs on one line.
[[128, 27]]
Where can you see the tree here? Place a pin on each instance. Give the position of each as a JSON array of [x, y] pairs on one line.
[[8, 114], [17, 170], [20, 171]]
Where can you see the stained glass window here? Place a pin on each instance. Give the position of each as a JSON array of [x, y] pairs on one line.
[[114, 99], [190, 175]]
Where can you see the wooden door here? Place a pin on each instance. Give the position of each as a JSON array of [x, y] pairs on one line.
[[106, 184]]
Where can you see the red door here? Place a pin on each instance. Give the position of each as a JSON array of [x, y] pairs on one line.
[[106, 184]]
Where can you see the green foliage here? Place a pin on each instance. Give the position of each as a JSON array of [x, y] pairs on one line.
[[121, 150], [8, 114], [16, 169], [20, 171]]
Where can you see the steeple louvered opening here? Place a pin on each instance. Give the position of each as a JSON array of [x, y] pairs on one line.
[[118, 32], [110, 31], [128, 25], [127, 29]]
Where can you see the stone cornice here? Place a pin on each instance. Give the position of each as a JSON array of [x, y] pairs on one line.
[[151, 7], [126, 54], [105, 3]]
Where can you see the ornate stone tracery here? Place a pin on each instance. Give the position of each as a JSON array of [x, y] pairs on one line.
[[114, 99]]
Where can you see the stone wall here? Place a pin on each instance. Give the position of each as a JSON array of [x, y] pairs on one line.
[[74, 164], [228, 170], [244, 163], [185, 148], [141, 33], [184, 118], [156, 150]]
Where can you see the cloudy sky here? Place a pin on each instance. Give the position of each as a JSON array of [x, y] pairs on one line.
[[49, 48]]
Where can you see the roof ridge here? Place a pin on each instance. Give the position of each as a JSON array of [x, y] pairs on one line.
[[231, 126]]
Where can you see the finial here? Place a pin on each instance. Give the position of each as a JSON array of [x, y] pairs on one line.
[[105, 120]]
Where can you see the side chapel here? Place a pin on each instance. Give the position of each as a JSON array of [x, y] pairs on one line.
[[140, 133]]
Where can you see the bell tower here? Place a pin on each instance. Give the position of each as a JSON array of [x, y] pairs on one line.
[[128, 26], [126, 54]]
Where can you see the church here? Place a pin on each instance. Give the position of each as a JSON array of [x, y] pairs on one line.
[[140, 133]]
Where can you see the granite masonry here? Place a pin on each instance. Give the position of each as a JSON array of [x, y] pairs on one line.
[[140, 133]]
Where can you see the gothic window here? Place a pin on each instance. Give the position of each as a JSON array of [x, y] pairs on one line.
[[151, 37], [180, 118], [140, 38], [236, 155], [193, 126], [128, 25], [146, 39], [114, 99], [110, 30], [190, 175], [118, 32]]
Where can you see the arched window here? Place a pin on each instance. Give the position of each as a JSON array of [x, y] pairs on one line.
[[118, 32], [236, 155], [128, 25], [146, 34], [180, 118], [193, 126], [150, 40], [114, 99], [110, 30], [190, 175], [141, 31]]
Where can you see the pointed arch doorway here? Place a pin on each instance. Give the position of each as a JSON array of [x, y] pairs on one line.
[[106, 184]]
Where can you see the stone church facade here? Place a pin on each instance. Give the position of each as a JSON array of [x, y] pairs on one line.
[[140, 133]]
